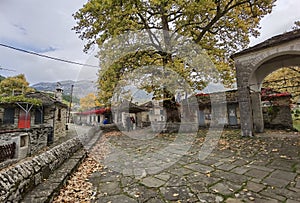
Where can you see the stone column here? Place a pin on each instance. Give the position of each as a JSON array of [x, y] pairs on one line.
[[243, 72], [258, 120], [245, 111]]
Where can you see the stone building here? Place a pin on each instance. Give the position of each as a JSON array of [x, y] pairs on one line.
[[27, 127], [222, 108], [92, 117]]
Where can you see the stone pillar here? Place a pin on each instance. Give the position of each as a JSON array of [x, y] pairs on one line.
[[258, 120], [245, 111]]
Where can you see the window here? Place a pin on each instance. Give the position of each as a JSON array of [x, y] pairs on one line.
[[9, 116], [38, 116], [59, 115]]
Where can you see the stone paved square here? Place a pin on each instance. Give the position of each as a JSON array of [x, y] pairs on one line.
[[235, 171]]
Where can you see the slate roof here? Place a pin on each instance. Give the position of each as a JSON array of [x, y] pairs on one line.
[[45, 98], [273, 41]]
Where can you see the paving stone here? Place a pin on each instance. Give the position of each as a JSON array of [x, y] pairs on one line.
[[262, 200], [256, 173], [276, 182], [287, 193], [155, 200], [283, 175], [180, 171], [140, 192], [116, 199], [291, 201], [226, 167], [176, 181], [270, 193], [152, 182], [236, 178], [255, 187], [259, 167], [298, 183], [240, 170], [232, 200], [209, 198], [225, 188], [240, 162], [198, 187], [109, 188], [163, 176], [199, 167], [126, 181], [176, 193], [283, 164]]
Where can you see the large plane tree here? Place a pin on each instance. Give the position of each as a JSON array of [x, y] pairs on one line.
[[220, 27]]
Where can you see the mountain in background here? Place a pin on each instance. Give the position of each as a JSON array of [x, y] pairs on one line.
[[81, 88]]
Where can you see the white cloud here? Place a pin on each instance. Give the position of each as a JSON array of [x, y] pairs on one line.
[[282, 19], [43, 27]]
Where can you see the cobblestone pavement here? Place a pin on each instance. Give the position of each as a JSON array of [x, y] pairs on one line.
[[143, 167]]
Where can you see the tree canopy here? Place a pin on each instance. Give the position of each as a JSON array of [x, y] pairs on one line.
[[14, 85], [285, 80], [88, 102], [220, 27]]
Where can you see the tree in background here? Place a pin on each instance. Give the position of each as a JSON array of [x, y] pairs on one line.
[[220, 27], [296, 25], [88, 102], [285, 80], [14, 85]]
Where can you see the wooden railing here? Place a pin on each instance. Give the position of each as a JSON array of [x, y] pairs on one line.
[[7, 151]]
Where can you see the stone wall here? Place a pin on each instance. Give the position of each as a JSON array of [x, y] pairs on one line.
[[60, 122], [16, 180], [38, 138], [28, 142], [278, 117], [110, 127]]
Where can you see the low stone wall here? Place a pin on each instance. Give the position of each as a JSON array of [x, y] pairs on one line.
[[16, 180], [110, 127]]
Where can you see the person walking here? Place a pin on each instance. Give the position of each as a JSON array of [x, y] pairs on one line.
[[128, 123]]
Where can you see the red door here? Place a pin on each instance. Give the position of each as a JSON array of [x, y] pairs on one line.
[[24, 122]]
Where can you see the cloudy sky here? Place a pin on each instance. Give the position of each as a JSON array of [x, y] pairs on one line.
[[45, 27]]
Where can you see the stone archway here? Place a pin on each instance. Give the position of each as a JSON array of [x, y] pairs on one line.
[[253, 65]]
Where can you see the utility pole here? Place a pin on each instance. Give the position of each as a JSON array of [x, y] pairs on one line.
[[70, 103]]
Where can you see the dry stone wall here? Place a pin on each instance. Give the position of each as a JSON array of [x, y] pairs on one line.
[[16, 180]]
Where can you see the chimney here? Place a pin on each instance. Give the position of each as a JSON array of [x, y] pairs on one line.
[[59, 92]]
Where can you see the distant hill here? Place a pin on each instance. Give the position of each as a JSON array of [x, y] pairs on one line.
[[84, 87], [81, 88]]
